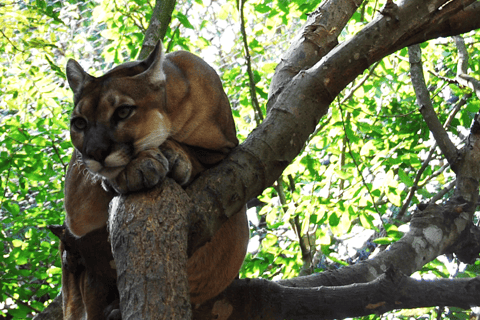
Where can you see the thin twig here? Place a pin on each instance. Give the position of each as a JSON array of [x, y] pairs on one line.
[[8, 39], [251, 80], [59, 157], [374, 203], [418, 176], [22, 303], [416, 182], [443, 192], [359, 84]]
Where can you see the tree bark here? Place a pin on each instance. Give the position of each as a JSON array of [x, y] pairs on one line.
[[261, 299], [149, 234], [158, 26]]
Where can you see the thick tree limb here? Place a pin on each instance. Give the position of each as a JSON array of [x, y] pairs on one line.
[[390, 291], [317, 37], [433, 231], [463, 21], [148, 233]]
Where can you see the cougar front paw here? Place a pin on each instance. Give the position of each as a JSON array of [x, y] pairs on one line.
[[145, 171], [180, 166]]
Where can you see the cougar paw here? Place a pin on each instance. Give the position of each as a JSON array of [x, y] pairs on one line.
[[145, 171], [180, 166]]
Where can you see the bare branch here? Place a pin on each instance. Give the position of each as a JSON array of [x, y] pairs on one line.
[[389, 291], [415, 186], [462, 67], [161, 16], [426, 107], [317, 37], [465, 20], [443, 192]]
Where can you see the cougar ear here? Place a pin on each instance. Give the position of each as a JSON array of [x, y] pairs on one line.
[[154, 73], [57, 230], [76, 76]]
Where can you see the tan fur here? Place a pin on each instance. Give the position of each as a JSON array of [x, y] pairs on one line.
[[130, 128], [215, 265]]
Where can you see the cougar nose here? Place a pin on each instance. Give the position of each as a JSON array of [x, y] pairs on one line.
[[96, 153], [97, 144]]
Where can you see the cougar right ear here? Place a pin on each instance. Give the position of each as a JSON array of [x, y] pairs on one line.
[[154, 62], [76, 76]]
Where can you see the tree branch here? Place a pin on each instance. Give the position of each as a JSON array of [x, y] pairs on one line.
[[390, 291], [426, 107], [317, 37], [462, 67], [259, 161], [414, 188], [161, 16], [251, 79]]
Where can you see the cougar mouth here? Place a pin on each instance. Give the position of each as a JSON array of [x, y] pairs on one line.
[[112, 166]]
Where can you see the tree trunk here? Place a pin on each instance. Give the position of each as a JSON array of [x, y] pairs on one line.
[[149, 233]]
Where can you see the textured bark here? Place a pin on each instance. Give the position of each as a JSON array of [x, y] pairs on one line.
[[261, 299], [158, 26], [317, 37], [148, 233], [425, 106], [433, 231]]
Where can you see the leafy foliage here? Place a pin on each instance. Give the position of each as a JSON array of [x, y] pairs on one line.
[[348, 194]]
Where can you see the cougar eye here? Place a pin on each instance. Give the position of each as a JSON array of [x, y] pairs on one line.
[[79, 123], [123, 112]]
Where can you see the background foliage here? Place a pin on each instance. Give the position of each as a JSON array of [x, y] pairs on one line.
[[348, 194]]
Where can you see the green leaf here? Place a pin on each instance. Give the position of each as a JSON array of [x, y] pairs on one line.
[[269, 241], [405, 178], [17, 243], [383, 240], [184, 21], [393, 197]]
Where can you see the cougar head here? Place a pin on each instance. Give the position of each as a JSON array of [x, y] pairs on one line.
[[119, 114]]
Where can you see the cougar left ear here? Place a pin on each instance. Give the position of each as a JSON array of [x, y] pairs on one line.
[[76, 76], [154, 73]]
